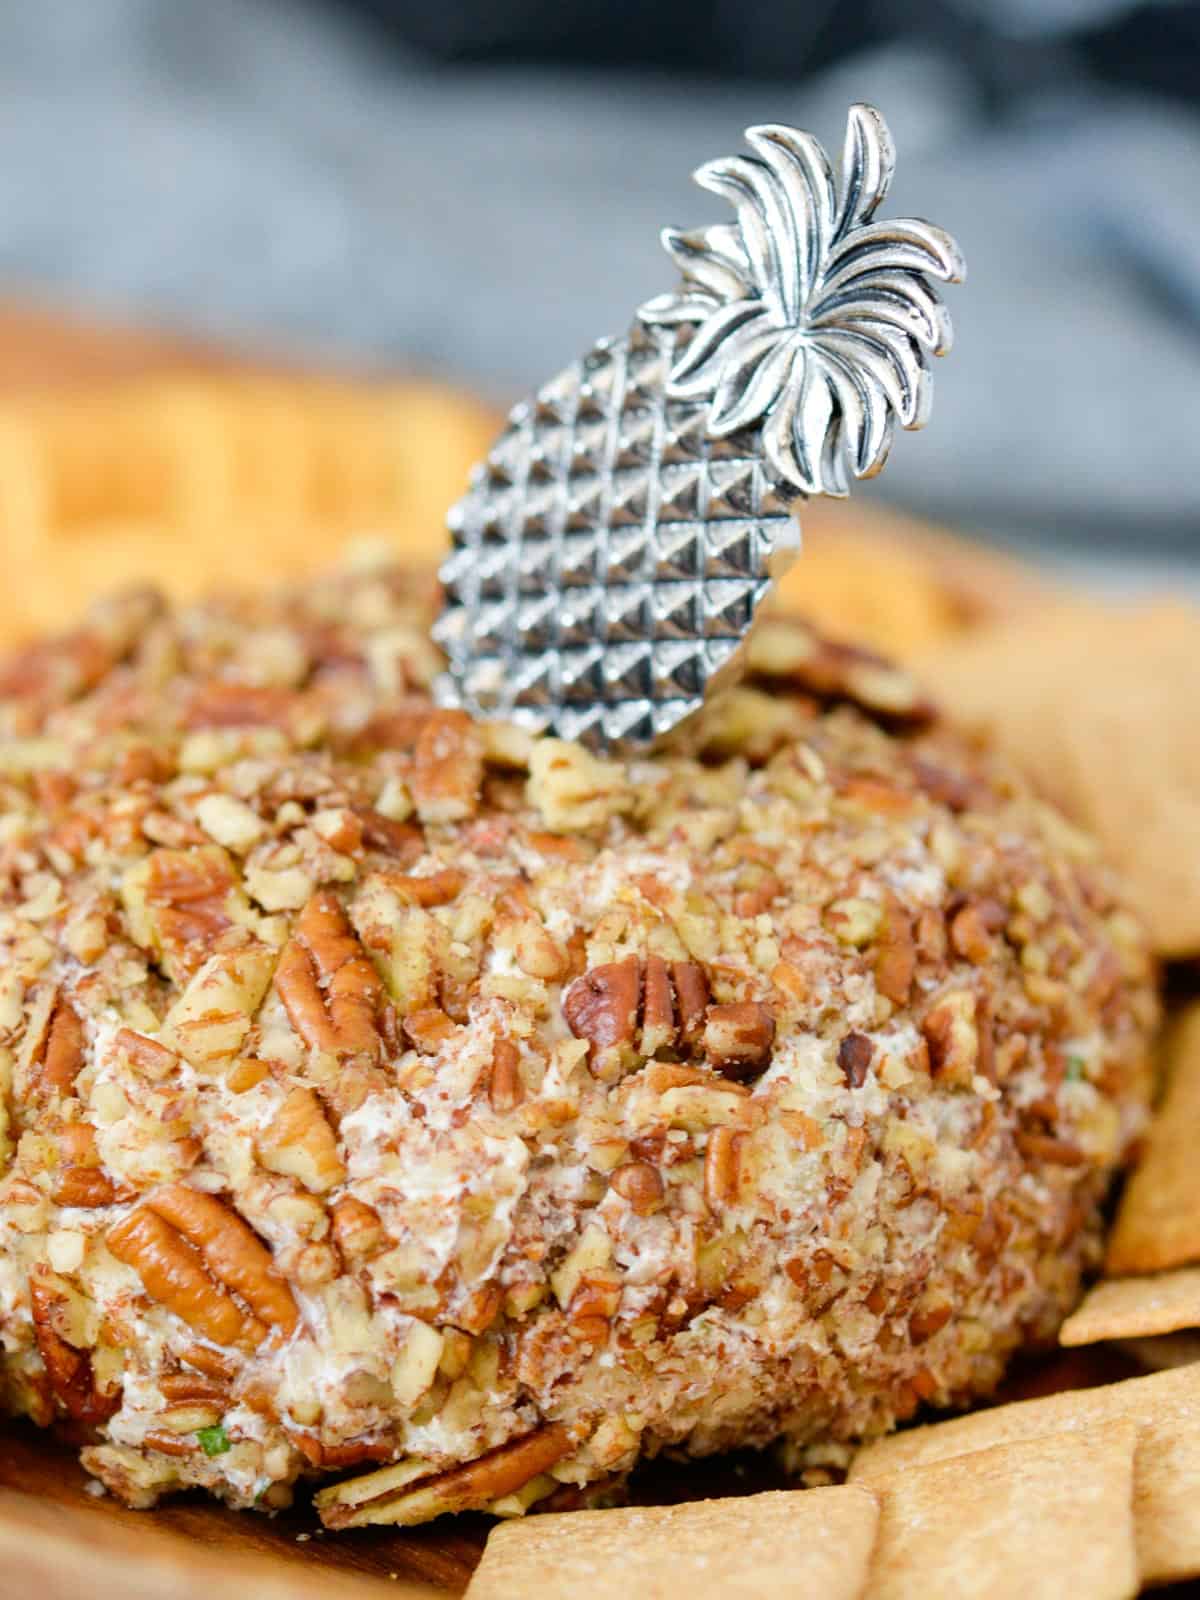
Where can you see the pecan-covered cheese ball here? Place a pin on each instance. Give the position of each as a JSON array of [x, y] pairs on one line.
[[458, 1117]]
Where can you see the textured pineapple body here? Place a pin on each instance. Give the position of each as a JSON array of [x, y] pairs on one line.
[[610, 555]]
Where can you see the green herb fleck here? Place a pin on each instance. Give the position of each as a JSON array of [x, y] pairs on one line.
[[1075, 1066], [213, 1441]]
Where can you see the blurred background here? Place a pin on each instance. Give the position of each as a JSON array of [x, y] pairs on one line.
[[472, 189]]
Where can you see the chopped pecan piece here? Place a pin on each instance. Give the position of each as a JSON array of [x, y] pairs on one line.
[[658, 1006], [722, 1160], [213, 1363], [328, 983], [430, 1028], [300, 1144], [357, 1230], [950, 789], [1044, 1147], [391, 838], [210, 1019], [337, 1457], [62, 1053], [928, 1320], [854, 1058], [179, 1386], [895, 954], [972, 927], [691, 993], [239, 705], [89, 1187], [738, 1038], [432, 889], [69, 1370], [154, 1060], [179, 904], [80, 1181], [953, 1038], [641, 1185], [505, 1087], [167, 1443], [447, 768], [787, 649]]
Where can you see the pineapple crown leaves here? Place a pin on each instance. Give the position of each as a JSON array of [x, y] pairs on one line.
[[812, 319]]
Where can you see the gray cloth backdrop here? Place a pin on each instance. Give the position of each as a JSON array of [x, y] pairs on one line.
[[251, 168]]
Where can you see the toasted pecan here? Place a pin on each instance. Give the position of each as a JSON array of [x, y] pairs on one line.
[[329, 984], [738, 1038], [230, 1248], [173, 1273]]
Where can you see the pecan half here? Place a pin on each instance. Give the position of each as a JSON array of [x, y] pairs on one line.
[[231, 1249], [173, 1273], [198, 1258], [328, 983], [738, 1039], [413, 1491], [636, 1007], [602, 1007]]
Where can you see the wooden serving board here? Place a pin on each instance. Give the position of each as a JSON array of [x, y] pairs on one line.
[[53, 1530]]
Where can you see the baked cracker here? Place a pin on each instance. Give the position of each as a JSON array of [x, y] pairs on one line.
[[809, 1545], [1134, 1308], [1039, 1518], [1158, 1224], [1165, 1410]]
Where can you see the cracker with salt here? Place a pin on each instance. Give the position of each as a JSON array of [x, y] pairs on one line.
[[1134, 1308], [1038, 1518], [1164, 1408], [1158, 1224], [808, 1545]]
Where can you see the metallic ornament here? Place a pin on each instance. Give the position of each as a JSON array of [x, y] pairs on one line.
[[613, 549]]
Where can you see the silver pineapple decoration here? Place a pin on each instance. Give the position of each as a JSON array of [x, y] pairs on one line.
[[612, 551]]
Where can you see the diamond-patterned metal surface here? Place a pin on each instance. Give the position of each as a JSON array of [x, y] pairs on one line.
[[610, 554]]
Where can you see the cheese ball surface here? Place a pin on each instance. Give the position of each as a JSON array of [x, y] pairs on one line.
[[457, 1117]]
